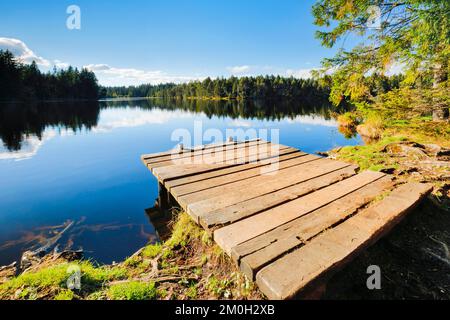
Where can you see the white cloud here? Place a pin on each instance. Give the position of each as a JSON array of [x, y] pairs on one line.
[[240, 123], [246, 70], [239, 69], [29, 147], [396, 68], [61, 65], [299, 73], [111, 119], [112, 76], [20, 50], [313, 120]]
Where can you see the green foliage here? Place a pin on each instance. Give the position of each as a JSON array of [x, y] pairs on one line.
[[373, 126], [412, 103], [268, 87], [348, 119], [143, 90], [19, 81], [415, 33], [132, 290]]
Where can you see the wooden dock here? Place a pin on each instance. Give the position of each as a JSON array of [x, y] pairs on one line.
[[287, 218]]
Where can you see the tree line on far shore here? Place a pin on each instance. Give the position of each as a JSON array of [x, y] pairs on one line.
[[25, 82], [243, 88], [233, 88]]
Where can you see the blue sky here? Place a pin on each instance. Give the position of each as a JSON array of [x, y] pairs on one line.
[[131, 42]]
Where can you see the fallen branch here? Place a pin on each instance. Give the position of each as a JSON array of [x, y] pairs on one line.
[[159, 279]]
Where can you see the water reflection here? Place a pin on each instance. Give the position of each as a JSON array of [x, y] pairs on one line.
[[20, 121], [83, 174], [24, 127]]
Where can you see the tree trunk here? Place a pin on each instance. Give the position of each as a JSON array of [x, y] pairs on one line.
[[440, 112]]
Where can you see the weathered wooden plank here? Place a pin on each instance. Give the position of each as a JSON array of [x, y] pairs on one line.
[[242, 156], [250, 207], [287, 276], [283, 155], [239, 176], [211, 155], [258, 252], [250, 155], [203, 202], [147, 157], [243, 230]]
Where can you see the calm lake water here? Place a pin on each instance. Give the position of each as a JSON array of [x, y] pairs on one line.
[[78, 165]]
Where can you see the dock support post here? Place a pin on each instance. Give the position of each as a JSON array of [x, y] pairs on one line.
[[163, 197]]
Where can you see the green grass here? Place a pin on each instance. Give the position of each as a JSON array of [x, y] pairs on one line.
[[370, 157], [54, 278], [151, 251], [133, 290], [65, 294], [184, 231]]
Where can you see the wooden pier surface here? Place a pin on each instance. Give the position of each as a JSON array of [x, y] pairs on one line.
[[287, 218]]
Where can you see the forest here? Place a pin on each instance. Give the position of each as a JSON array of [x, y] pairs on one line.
[[25, 82], [313, 91]]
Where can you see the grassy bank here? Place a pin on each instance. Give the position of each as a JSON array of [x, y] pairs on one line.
[[186, 266], [401, 138]]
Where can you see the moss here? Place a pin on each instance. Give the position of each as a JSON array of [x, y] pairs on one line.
[[151, 251], [65, 295], [54, 278], [132, 262], [370, 156], [191, 292], [133, 290]]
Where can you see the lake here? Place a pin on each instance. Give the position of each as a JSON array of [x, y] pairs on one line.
[[76, 166]]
